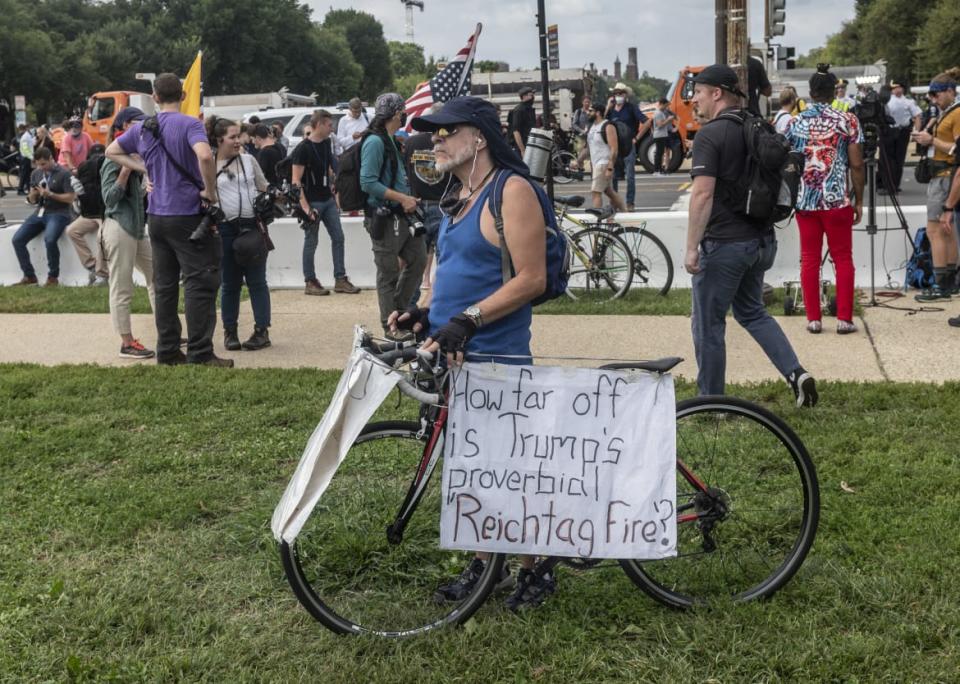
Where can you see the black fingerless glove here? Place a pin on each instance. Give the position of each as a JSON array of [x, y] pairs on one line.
[[415, 315], [453, 337]]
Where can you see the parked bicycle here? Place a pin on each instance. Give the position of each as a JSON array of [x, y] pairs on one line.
[[369, 559], [652, 265], [10, 170]]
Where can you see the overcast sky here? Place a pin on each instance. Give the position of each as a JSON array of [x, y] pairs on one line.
[[677, 33]]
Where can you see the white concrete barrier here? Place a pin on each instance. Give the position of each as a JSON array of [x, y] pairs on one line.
[[285, 270]]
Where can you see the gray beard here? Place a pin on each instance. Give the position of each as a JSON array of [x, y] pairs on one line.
[[465, 155]]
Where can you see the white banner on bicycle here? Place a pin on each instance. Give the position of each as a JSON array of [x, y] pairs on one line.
[[364, 385], [560, 462]]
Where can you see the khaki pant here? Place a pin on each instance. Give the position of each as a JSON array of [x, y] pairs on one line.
[[123, 252], [77, 232]]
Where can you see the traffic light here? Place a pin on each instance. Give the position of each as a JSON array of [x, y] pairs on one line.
[[776, 17], [786, 57]]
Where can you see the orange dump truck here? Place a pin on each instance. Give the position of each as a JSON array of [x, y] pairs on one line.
[[103, 107], [680, 96]]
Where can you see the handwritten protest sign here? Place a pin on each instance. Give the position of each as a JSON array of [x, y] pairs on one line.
[[364, 385], [560, 462]]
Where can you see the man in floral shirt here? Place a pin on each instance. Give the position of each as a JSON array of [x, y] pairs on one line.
[[831, 142]]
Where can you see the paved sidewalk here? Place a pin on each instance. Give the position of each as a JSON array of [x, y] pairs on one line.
[[316, 332]]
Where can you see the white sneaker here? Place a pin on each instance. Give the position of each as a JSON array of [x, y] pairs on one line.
[[100, 281]]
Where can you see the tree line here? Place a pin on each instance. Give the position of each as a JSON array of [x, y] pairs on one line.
[[58, 52], [918, 38]]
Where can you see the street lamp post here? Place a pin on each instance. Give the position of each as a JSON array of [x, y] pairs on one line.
[[545, 82]]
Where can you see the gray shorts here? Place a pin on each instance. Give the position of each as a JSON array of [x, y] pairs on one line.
[[937, 191]]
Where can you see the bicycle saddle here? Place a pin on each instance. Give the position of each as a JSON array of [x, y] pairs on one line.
[[656, 366], [602, 214], [569, 200]]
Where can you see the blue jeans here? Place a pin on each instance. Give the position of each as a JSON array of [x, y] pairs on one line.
[[630, 169], [731, 273], [232, 276], [52, 227], [330, 215]]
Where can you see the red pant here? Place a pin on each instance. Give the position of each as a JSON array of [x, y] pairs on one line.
[[837, 224]]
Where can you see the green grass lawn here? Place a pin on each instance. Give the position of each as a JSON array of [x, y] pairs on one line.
[[33, 299], [135, 546], [96, 300]]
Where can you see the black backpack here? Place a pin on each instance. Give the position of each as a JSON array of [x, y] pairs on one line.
[[351, 197], [767, 190], [91, 199], [624, 137]]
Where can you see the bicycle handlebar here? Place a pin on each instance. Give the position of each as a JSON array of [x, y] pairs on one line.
[[391, 352]]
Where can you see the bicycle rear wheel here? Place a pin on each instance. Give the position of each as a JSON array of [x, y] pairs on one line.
[[652, 265], [563, 167], [346, 573], [748, 504], [601, 266]]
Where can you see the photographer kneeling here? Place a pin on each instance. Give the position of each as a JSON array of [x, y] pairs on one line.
[[239, 178], [384, 180]]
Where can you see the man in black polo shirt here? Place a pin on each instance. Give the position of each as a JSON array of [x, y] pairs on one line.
[[427, 185], [268, 152], [521, 120], [727, 252], [313, 171]]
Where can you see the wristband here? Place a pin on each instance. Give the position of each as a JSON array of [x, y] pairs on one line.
[[945, 208]]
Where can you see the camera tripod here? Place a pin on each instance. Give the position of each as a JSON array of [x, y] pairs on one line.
[[872, 145]]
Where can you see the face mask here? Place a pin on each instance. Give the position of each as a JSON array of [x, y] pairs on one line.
[[76, 132], [620, 99]]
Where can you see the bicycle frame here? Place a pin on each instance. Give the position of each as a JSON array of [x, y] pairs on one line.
[[428, 463]]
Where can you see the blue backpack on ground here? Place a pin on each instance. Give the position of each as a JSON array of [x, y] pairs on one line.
[[558, 253], [920, 265]]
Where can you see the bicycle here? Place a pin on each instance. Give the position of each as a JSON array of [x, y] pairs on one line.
[[369, 560], [10, 168], [652, 265], [601, 264]]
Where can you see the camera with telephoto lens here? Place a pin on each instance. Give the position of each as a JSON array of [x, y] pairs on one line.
[[212, 215], [414, 219], [266, 206]]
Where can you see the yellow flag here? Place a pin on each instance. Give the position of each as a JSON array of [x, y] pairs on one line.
[[191, 88]]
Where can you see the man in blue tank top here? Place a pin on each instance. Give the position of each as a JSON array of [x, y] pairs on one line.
[[472, 313]]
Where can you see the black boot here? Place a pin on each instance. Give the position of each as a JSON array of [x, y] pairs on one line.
[[230, 340], [258, 340]]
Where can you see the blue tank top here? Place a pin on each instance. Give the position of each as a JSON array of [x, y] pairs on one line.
[[469, 271]]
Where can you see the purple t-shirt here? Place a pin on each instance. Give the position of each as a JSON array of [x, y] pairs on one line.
[[173, 194]]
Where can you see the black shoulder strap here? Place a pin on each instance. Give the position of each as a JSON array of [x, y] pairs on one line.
[[495, 204], [158, 136]]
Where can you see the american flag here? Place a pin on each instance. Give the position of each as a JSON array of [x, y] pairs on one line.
[[452, 82]]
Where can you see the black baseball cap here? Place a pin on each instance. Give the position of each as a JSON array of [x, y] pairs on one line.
[[720, 76], [481, 114], [525, 90], [128, 114]]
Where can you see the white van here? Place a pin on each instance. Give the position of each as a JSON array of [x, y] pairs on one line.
[[294, 119]]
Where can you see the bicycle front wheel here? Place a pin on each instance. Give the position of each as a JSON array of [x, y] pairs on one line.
[[652, 265], [345, 571], [748, 504], [563, 167], [601, 266]]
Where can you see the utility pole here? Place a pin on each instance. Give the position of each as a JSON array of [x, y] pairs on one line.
[[545, 82], [720, 38], [738, 39]]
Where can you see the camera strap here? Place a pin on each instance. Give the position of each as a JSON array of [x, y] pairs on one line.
[[153, 125]]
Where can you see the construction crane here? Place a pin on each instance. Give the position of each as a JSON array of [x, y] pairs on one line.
[[410, 4]]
